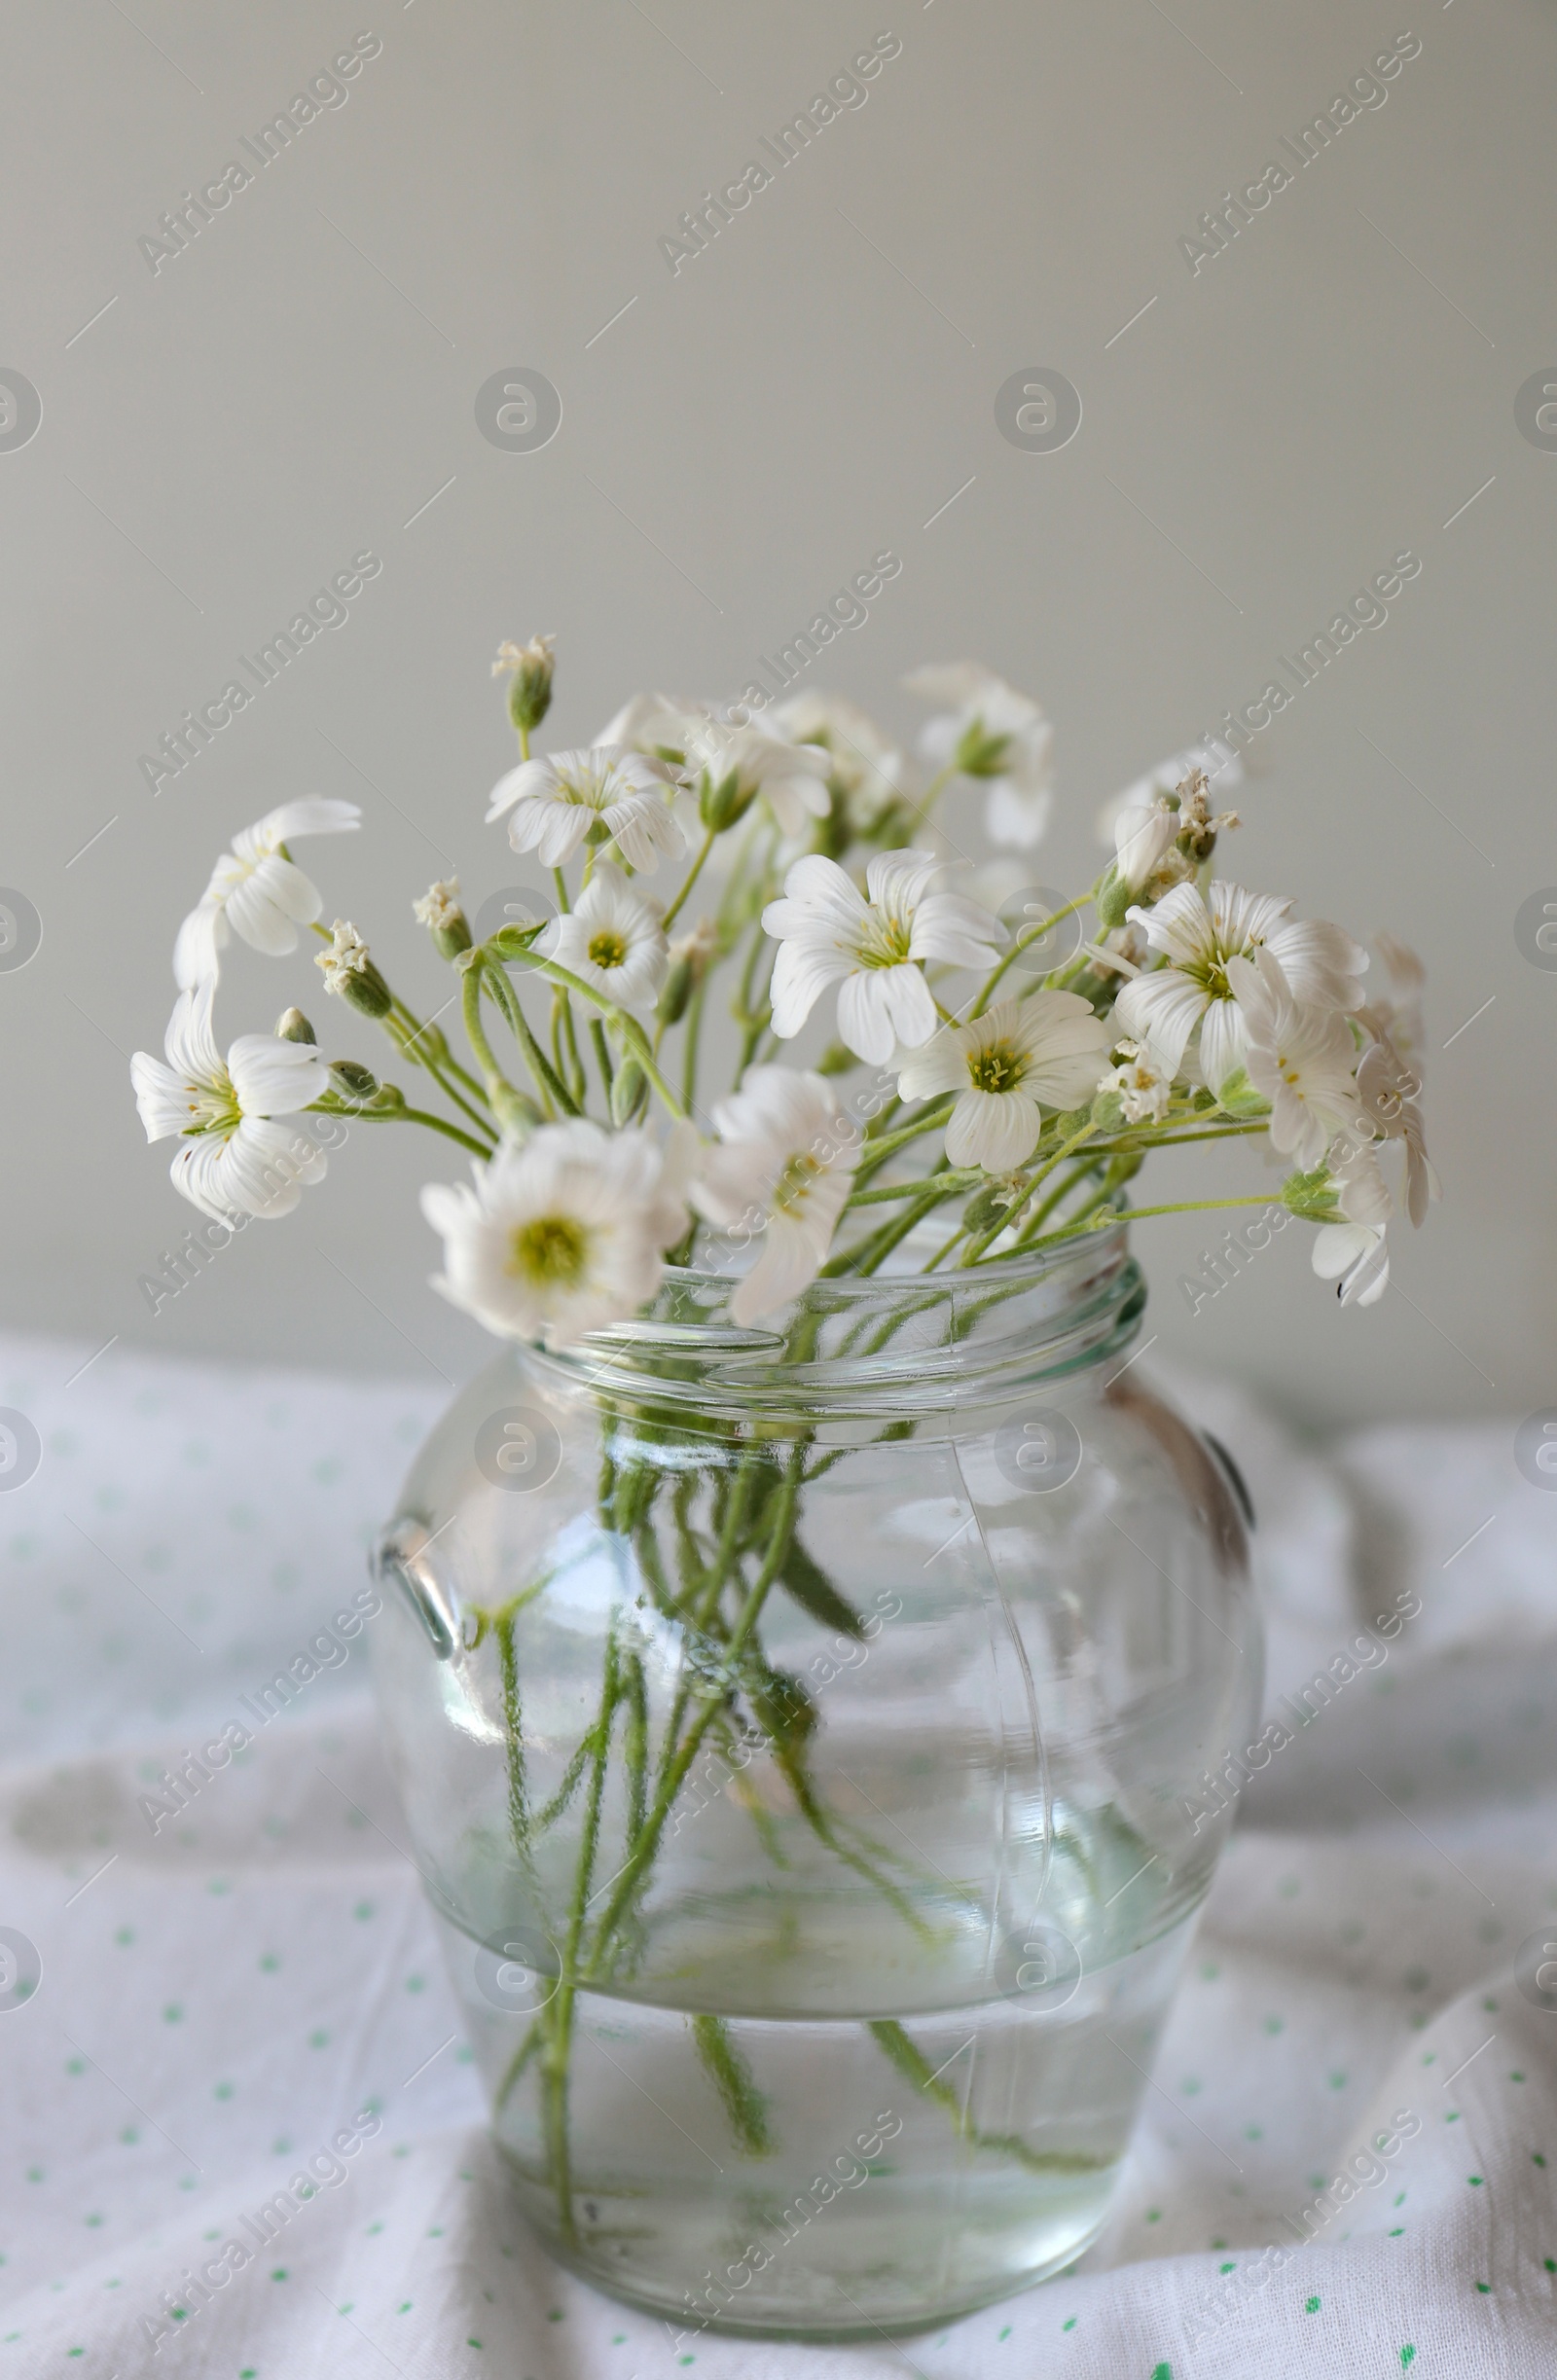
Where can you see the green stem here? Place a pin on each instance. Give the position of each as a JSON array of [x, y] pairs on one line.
[[689, 1047], [632, 1031], [732, 2077], [1197, 1206], [446, 1062], [690, 878], [673, 1776], [946, 1185], [874, 1251], [553, 1090], [574, 1068], [561, 2009], [513, 1731], [887, 1144], [972, 1253], [411, 1115], [890, 2037], [603, 1058], [1019, 945]]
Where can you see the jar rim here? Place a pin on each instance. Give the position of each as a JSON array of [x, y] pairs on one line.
[[896, 1342]]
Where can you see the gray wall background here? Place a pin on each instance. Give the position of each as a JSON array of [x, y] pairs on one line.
[[299, 384]]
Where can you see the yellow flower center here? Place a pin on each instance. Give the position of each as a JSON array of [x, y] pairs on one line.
[[999, 1068], [552, 1252], [886, 942], [607, 948], [794, 1181], [213, 1107]]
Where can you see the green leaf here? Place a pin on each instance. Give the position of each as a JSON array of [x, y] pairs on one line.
[[814, 1591]]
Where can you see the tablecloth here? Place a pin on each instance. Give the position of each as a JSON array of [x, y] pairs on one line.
[[216, 2003]]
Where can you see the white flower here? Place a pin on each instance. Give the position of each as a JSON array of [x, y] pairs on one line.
[[992, 733], [1387, 1087], [536, 660], [232, 1157], [561, 799], [1299, 1057], [611, 940], [1046, 1051], [1165, 779], [792, 777], [439, 906], [347, 956], [864, 763], [257, 891], [1143, 838], [1197, 987], [1397, 1017], [559, 1236], [1354, 1254], [784, 1166], [872, 947], [1362, 1192], [1142, 1089], [655, 724]]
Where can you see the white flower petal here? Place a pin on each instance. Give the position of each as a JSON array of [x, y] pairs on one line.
[[992, 1128], [1160, 1009], [275, 1078]]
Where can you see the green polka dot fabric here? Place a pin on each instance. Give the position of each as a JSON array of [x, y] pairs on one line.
[[240, 2136]]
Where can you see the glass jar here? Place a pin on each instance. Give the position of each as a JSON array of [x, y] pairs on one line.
[[801, 1733]]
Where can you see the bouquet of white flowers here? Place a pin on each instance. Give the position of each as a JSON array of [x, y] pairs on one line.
[[1193, 1011], [993, 1085]]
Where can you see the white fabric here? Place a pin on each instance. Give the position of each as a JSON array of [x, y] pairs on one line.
[[218, 2001]]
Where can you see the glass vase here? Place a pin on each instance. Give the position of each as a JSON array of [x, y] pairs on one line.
[[800, 1730]]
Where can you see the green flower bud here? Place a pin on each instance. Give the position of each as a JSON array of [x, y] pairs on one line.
[[529, 693], [720, 805], [836, 1058], [979, 753], [1108, 1111], [353, 1081], [1237, 1097], [991, 1204], [630, 1091], [367, 992], [1113, 899], [294, 1025], [680, 985], [1074, 1120], [350, 972], [1312, 1196], [439, 911], [517, 1115]]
